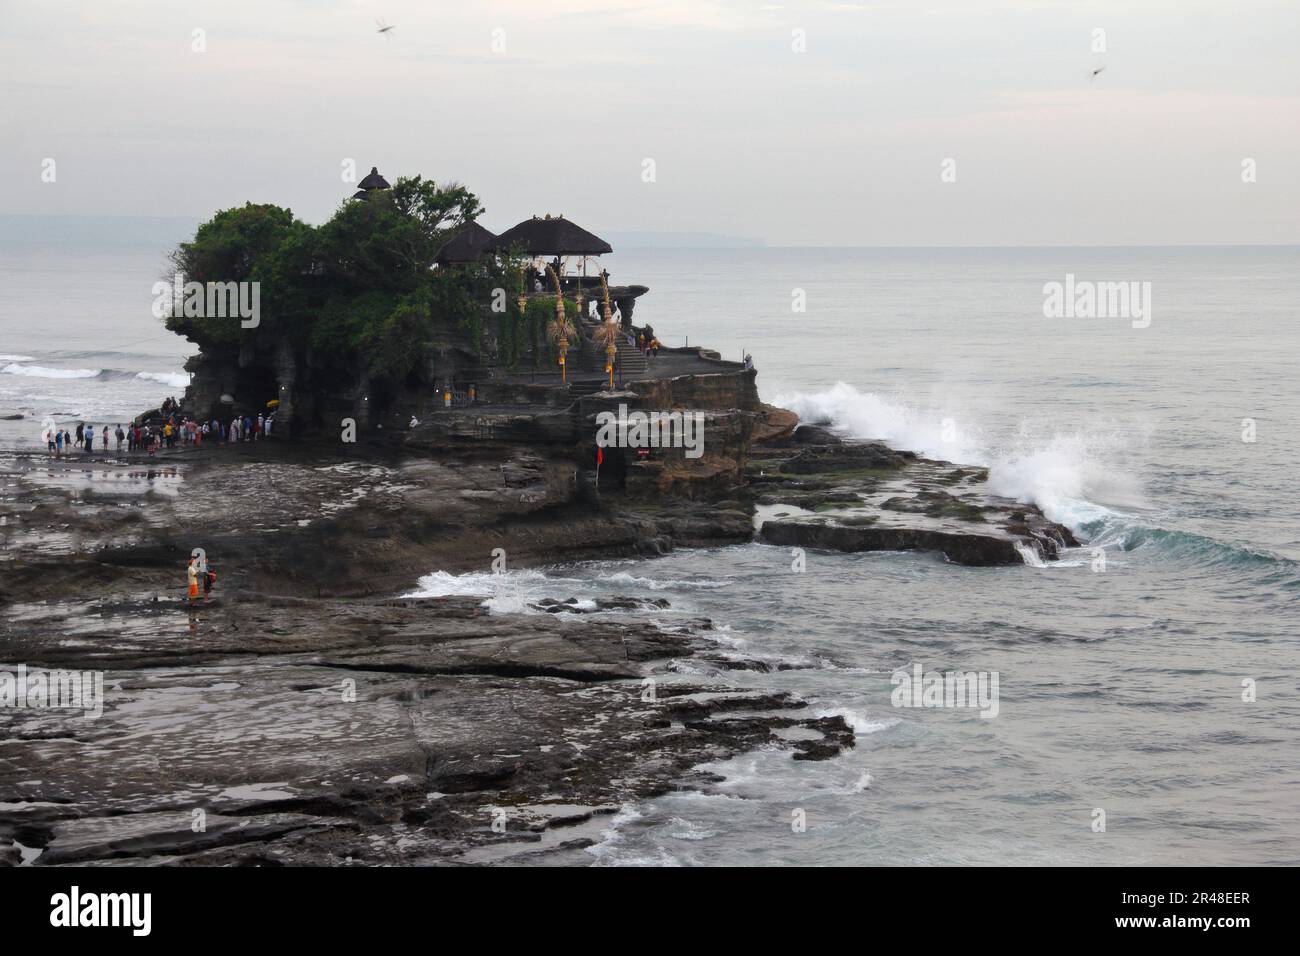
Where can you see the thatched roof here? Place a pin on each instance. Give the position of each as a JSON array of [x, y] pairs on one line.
[[361, 194], [555, 236], [374, 180], [468, 245]]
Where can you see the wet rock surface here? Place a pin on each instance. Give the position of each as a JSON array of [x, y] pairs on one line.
[[821, 491], [309, 715]]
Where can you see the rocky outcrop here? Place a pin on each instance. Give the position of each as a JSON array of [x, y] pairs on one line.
[[307, 715], [967, 547], [817, 490], [774, 426]]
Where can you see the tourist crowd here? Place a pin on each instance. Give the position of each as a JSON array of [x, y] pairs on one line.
[[172, 430]]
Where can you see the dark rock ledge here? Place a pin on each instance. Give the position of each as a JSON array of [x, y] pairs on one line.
[[537, 722], [819, 491]]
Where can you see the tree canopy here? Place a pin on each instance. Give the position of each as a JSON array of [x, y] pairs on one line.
[[361, 288]]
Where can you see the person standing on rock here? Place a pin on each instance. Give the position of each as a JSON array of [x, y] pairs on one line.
[[192, 572], [58, 443], [81, 428], [88, 438]]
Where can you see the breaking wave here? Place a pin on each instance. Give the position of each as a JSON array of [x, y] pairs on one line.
[[170, 379], [40, 371], [15, 366], [1065, 474], [1203, 551]]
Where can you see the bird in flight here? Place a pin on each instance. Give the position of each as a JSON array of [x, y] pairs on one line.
[[1094, 73], [383, 27]]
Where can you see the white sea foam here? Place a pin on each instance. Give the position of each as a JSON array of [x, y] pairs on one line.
[[40, 371], [513, 592], [654, 584], [1064, 473], [510, 592], [1030, 555], [170, 379], [5, 357], [860, 722], [683, 829], [501, 593], [613, 848], [442, 584]]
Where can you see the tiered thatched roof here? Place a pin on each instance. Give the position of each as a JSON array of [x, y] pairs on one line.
[[468, 245], [374, 180], [551, 236]]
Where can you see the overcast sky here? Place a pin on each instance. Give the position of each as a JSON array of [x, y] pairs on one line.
[[842, 144]]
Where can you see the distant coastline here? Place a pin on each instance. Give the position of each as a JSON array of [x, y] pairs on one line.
[[681, 240]]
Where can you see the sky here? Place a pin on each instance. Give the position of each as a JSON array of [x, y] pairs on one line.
[[797, 123]]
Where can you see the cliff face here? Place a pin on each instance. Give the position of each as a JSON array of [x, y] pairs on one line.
[[229, 380], [316, 395], [710, 464], [724, 405]]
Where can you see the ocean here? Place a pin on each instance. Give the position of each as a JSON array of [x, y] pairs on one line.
[[1148, 682]]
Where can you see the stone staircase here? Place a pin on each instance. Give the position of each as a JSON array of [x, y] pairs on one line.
[[631, 361]]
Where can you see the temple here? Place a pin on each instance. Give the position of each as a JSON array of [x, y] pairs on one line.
[[535, 365]]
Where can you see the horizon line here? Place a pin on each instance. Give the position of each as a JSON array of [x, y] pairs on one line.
[[741, 242]]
